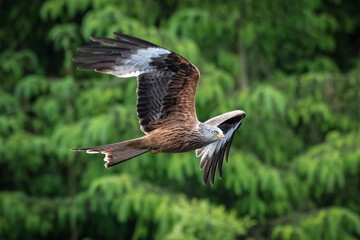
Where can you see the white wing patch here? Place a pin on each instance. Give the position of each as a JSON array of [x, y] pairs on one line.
[[105, 158], [138, 63], [212, 148]]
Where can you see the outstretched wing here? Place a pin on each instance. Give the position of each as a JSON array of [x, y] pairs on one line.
[[166, 81], [213, 154]]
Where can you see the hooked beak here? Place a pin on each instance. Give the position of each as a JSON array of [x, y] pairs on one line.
[[219, 136]]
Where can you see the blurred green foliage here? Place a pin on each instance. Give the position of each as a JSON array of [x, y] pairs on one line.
[[294, 166]]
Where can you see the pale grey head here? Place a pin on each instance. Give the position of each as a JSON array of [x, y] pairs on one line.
[[210, 133]]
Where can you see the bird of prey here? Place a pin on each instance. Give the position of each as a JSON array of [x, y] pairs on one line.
[[165, 103]]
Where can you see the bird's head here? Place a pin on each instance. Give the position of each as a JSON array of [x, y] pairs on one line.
[[211, 133]]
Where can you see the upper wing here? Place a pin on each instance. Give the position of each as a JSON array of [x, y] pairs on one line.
[[213, 154], [166, 81]]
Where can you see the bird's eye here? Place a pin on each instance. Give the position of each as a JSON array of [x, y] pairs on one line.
[[215, 132]]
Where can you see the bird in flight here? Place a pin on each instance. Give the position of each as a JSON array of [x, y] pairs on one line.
[[165, 103]]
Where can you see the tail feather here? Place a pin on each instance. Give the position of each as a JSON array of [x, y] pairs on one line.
[[118, 152]]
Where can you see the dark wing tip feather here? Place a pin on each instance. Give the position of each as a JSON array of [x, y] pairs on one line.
[[96, 49], [141, 42], [111, 41], [98, 66], [220, 161], [79, 149], [114, 42], [214, 162], [206, 170], [123, 40], [96, 57], [227, 150], [202, 164]]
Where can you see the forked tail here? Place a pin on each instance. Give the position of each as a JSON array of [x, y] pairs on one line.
[[118, 152]]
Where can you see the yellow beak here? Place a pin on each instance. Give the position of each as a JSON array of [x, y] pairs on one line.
[[219, 136]]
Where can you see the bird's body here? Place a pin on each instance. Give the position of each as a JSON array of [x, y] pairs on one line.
[[181, 138], [166, 103]]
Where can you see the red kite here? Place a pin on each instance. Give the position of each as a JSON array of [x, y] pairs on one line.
[[165, 103]]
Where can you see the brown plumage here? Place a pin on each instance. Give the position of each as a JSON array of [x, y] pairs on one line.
[[165, 105]]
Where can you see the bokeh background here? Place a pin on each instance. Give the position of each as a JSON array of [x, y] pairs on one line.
[[293, 173]]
